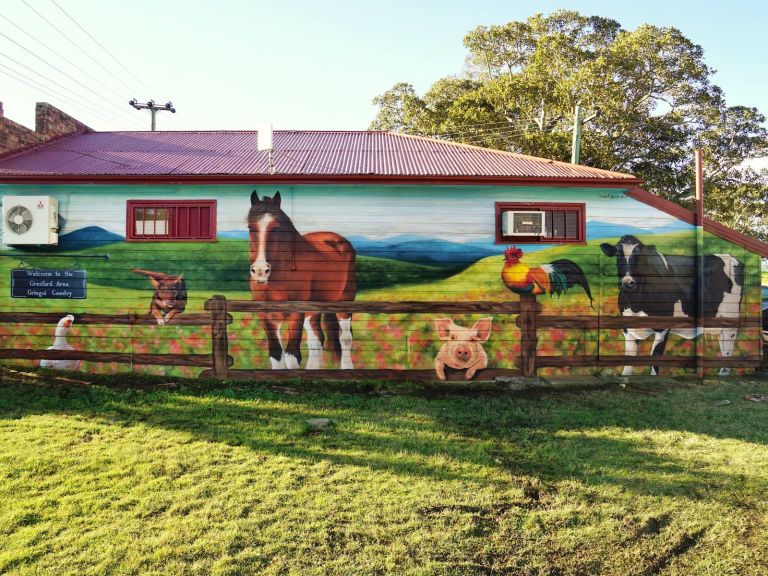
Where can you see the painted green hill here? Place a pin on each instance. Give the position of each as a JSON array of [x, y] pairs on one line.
[[209, 267]]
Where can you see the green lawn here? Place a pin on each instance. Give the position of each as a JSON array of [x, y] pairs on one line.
[[647, 479]]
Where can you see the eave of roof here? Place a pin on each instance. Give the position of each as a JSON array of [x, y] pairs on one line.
[[719, 230]]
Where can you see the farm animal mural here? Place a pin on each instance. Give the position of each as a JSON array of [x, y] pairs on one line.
[[655, 284], [169, 297], [393, 243], [286, 265], [462, 347], [553, 278], [60, 343]]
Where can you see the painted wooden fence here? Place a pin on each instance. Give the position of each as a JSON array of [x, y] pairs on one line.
[[200, 360], [530, 321]]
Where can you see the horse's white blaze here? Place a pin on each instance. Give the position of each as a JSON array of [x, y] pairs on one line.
[[345, 338], [315, 347], [260, 267]]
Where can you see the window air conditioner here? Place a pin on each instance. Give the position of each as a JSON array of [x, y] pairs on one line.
[[516, 223]]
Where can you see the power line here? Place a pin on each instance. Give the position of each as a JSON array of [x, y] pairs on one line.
[[44, 77], [522, 128], [73, 79], [480, 133], [99, 44], [519, 125], [98, 107], [501, 122], [26, 80], [111, 55], [57, 54], [76, 45]]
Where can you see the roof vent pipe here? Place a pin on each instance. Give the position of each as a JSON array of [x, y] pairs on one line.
[[264, 138], [264, 142]]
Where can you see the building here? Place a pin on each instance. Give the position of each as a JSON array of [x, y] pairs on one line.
[[150, 225]]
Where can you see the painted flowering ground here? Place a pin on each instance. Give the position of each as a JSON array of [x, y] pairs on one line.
[[399, 341]]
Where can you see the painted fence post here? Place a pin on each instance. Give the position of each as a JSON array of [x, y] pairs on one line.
[[528, 337], [219, 344]]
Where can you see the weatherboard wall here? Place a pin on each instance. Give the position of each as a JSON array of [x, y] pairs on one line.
[[426, 243]]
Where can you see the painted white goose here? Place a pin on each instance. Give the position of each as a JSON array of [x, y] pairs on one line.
[[60, 343]]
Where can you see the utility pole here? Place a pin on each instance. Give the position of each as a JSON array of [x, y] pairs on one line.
[[576, 143], [153, 108], [699, 167]]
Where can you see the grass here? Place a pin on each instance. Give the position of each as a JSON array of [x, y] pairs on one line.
[[205, 479]]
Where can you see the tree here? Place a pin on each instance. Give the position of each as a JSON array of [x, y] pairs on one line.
[[647, 99]]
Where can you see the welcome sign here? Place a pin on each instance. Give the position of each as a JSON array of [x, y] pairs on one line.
[[48, 283]]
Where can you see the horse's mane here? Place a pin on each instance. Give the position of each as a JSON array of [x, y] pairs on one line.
[[271, 206]]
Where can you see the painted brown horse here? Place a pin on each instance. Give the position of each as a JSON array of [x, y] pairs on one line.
[[286, 265]]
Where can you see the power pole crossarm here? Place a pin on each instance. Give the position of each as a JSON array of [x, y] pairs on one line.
[[153, 108]]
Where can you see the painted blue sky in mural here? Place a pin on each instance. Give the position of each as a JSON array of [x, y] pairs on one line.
[[467, 218], [455, 224]]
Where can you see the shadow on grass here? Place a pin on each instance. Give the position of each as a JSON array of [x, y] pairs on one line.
[[597, 437]]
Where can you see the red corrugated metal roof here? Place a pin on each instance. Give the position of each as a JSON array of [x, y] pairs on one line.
[[296, 153]]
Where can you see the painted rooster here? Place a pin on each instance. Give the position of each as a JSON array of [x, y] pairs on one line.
[[553, 278]]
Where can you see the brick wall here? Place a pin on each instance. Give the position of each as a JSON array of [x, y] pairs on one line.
[[50, 123]]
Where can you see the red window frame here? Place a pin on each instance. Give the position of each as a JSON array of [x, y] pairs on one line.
[[186, 221], [575, 234]]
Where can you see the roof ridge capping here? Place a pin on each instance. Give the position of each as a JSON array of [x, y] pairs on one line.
[[620, 175]]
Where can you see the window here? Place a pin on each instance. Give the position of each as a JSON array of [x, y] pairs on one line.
[[560, 223], [166, 220]]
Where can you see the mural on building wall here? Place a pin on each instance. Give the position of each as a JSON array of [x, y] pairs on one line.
[[462, 347], [169, 295], [286, 265], [381, 244], [550, 278], [654, 284], [60, 343]]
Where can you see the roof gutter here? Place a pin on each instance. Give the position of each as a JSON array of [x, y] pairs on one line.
[[262, 179]]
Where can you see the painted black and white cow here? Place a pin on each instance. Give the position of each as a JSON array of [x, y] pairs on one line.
[[652, 284]]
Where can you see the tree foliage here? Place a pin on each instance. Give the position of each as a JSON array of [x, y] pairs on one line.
[[647, 98]]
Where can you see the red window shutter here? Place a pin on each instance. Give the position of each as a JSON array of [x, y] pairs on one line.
[[164, 220]]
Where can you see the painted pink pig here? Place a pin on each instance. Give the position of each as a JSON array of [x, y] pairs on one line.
[[462, 349]]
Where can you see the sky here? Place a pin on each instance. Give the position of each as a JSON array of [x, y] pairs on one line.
[[299, 64]]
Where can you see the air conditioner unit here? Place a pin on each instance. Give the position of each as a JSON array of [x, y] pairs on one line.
[[30, 220], [517, 223]]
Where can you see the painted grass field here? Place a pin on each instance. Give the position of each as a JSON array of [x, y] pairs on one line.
[[201, 479]]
